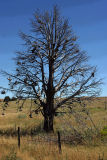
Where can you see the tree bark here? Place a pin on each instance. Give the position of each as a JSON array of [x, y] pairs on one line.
[[49, 114], [51, 117], [49, 108], [48, 123]]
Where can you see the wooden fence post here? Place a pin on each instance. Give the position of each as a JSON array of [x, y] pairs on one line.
[[18, 132], [59, 142]]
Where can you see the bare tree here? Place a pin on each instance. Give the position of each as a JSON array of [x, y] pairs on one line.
[[52, 70]]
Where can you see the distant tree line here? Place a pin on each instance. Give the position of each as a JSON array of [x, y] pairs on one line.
[[7, 99]]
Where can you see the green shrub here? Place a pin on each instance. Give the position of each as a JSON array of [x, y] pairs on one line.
[[104, 134], [104, 131]]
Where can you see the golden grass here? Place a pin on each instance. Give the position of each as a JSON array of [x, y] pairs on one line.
[[14, 118], [45, 151]]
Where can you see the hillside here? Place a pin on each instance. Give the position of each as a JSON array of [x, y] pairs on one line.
[[91, 128]]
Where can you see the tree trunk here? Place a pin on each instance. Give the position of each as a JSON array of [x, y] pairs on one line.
[[46, 126], [51, 117], [48, 123], [49, 112], [49, 108]]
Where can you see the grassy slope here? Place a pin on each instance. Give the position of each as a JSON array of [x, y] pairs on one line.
[[31, 151]]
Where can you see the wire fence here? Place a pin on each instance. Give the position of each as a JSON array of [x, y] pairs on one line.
[[50, 139]]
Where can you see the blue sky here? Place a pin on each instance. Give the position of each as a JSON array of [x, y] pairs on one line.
[[87, 17]]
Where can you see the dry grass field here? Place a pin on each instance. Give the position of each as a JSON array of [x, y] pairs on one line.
[[93, 147], [30, 151]]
